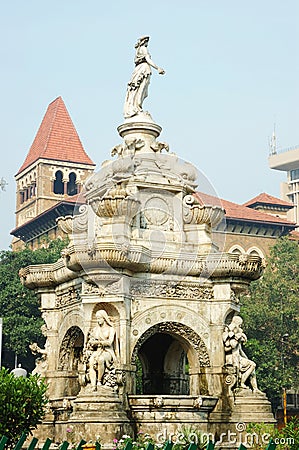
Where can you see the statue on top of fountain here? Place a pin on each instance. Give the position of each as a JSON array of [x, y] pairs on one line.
[[137, 89]]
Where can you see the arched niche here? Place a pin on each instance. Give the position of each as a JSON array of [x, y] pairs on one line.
[[170, 358], [71, 349]]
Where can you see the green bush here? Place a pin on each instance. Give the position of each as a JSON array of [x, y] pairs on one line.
[[23, 402]]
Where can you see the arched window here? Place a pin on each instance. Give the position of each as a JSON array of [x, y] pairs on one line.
[[236, 249], [255, 251], [58, 183], [72, 188]]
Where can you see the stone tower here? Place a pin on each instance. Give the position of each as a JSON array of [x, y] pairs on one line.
[[54, 169], [143, 288]]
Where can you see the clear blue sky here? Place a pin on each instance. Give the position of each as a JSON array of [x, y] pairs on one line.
[[232, 70]]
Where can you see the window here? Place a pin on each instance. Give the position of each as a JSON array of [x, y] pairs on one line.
[[295, 174], [236, 249], [71, 185], [58, 183]]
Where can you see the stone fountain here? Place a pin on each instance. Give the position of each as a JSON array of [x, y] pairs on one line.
[[141, 312]]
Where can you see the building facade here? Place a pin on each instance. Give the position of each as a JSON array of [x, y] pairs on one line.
[[288, 161], [50, 178]]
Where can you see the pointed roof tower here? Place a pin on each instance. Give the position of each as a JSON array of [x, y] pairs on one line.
[[56, 138]]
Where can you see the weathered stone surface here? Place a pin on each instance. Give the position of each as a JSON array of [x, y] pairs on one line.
[[143, 285]]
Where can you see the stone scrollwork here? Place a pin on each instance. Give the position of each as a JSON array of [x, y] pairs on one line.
[[108, 288], [72, 295], [194, 213], [173, 290]]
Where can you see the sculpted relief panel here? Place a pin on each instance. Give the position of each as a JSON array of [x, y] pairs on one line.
[[172, 290]]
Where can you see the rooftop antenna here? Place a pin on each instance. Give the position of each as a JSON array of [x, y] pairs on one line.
[[273, 143]]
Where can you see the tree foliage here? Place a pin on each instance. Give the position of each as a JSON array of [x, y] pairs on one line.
[[271, 318], [23, 402], [19, 306]]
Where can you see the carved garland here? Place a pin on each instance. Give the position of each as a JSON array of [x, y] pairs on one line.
[[178, 329], [149, 289]]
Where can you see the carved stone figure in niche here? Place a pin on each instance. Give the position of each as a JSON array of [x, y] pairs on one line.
[[137, 89], [41, 362], [233, 338], [100, 350]]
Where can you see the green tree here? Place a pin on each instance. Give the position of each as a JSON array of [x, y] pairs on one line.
[[19, 306], [23, 402], [271, 315]]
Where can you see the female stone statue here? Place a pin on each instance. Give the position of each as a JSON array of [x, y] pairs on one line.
[[101, 348], [138, 85], [233, 338]]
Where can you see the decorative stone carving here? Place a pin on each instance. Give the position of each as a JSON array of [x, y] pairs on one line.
[[72, 295], [156, 211], [116, 203], [129, 147], [158, 402], [137, 89], [68, 359], [198, 214], [100, 353], [102, 289], [41, 363], [175, 169], [159, 146], [173, 290], [233, 338], [198, 401], [181, 330]]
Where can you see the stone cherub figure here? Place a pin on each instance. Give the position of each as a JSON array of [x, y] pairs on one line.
[[41, 362], [100, 349], [233, 338], [137, 89]]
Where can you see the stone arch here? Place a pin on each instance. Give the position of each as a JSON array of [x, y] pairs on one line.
[[183, 333], [71, 349], [228, 316], [177, 364], [237, 249], [255, 251]]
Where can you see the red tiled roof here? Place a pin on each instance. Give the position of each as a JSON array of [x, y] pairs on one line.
[[241, 212], [56, 138], [269, 200]]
